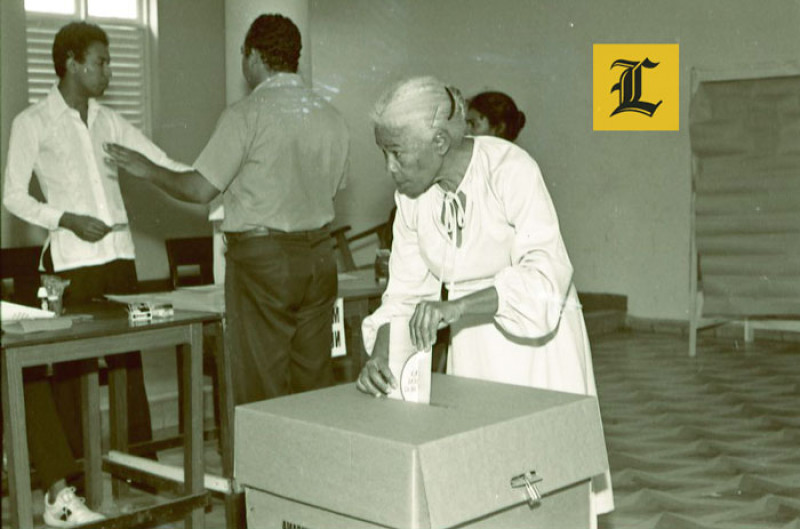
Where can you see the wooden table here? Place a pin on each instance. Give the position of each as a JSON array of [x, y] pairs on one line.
[[360, 293], [108, 333]]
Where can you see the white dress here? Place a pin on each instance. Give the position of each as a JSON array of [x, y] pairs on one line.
[[504, 233]]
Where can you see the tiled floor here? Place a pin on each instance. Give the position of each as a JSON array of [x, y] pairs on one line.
[[705, 443]]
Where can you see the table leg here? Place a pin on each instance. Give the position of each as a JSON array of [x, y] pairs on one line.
[[226, 404], [354, 313], [193, 419], [234, 502], [118, 420], [19, 478], [92, 454]]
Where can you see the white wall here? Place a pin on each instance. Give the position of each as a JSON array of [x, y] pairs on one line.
[[622, 197]]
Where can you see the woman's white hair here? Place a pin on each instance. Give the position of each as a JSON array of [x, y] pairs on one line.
[[422, 105]]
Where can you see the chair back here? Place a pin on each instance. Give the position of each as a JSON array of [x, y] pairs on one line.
[[191, 261], [345, 244], [19, 269]]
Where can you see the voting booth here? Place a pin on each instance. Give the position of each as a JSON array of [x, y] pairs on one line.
[[480, 455]]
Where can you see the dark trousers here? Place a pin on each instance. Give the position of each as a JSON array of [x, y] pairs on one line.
[[279, 296], [53, 407]]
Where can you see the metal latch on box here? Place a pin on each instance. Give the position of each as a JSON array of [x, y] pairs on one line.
[[529, 480]]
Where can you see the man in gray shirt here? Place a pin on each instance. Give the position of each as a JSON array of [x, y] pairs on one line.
[[278, 157]]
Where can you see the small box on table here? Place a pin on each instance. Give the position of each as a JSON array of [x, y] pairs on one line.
[[476, 457]]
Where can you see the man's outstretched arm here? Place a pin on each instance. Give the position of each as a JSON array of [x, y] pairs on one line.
[[187, 186]]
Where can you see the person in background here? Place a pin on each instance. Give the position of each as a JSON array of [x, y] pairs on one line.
[[278, 157], [494, 114], [59, 139], [474, 215]]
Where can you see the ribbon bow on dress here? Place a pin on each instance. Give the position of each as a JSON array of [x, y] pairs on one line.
[[453, 214]]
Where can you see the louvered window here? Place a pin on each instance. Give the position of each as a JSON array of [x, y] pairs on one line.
[[128, 35]]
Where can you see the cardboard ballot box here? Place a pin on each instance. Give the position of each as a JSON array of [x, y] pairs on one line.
[[338, 459]]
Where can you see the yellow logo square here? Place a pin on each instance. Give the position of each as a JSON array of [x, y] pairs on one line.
[[635, 87]]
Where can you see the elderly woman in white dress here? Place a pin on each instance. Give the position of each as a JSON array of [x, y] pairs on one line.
[[474, 215]]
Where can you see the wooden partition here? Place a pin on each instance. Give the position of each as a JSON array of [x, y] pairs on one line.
[[745, 147]]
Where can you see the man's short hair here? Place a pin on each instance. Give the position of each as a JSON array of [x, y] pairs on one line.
[[73, 40], [277, 40]]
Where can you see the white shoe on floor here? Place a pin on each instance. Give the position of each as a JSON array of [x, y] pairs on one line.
[[69, 510]]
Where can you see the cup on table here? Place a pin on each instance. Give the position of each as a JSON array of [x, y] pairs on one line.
[[55, 304], [52, 293]]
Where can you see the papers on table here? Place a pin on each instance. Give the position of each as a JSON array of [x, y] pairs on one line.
[[205, 298], [19, 319], [14, 312], [37, 324], [208, 298]]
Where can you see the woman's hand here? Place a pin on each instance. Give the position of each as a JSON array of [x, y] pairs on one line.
[[376, 378], [429, 317]]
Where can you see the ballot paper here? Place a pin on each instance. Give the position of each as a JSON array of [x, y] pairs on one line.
[[411, 368]]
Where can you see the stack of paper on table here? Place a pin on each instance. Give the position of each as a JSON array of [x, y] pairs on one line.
[[18, 319], [205, 298], [209, 298]]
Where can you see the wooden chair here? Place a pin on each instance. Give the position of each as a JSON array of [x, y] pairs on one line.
[[19, 269], [191, 261], [339, 236], [343, 242]]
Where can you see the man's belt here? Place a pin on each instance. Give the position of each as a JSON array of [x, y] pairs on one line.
[[238, 236]]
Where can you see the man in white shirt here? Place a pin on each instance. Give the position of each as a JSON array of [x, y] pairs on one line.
[[60, 139]]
